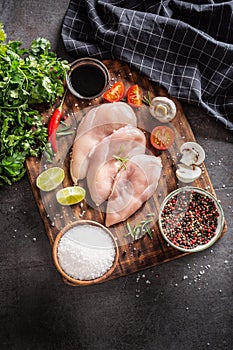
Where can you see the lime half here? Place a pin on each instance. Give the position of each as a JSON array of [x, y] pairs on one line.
[[70, 195], [50, 179]]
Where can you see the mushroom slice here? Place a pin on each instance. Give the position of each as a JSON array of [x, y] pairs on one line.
[[188, 174], [192, 153], [163, 109]]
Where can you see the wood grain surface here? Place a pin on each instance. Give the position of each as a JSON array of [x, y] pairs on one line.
[[145, 252]]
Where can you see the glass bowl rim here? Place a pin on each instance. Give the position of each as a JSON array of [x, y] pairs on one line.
[[221, 219], [87, 60]]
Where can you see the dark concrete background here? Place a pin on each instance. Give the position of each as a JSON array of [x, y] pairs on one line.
[[182, 305]]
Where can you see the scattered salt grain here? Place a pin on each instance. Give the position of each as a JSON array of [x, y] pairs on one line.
[[86, 252], [82, 213]]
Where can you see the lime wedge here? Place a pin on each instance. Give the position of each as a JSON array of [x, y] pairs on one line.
[[70, 195], [49, 179]]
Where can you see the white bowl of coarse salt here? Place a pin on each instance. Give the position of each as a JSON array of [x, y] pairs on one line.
[[85, 252]]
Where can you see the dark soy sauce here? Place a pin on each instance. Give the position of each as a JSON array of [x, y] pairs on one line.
[[88, 80]]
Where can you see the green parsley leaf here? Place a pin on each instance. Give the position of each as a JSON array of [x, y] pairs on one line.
[[27, 77]]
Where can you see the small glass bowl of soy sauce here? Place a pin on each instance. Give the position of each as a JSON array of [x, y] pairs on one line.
[[87, 78]]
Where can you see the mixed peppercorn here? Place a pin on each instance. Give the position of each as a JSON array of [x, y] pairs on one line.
[[189, 219]]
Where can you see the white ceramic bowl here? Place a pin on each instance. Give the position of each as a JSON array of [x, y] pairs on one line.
[[178, 217]]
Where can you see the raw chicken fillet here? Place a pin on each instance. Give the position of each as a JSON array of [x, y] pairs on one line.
[[132, 187], [98, 123]]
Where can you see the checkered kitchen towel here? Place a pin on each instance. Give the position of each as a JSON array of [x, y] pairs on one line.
[[187, 47]]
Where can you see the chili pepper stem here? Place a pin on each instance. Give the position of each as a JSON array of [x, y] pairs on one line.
[[62, 101]]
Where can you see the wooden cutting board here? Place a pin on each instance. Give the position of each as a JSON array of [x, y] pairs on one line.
[[145, 252]]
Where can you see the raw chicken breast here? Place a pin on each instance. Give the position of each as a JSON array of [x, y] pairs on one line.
[[107, 113], [82, 147], [103, 165], [98, 123], [132, 187]]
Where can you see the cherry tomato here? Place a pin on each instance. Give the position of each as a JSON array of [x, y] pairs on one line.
[[115, 93], [162, 137], [134, 96]]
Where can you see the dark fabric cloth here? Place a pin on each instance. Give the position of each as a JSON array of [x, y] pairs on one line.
[[186, 47]]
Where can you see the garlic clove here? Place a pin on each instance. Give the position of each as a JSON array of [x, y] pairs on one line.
[[192, 153], [163, 109], [187, 174]]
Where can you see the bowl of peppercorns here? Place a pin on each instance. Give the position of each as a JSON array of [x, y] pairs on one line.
[[191, 219]]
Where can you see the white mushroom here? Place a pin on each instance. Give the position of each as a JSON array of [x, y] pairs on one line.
[[163, 109], [192, 156], [192, 153], [187, 174]]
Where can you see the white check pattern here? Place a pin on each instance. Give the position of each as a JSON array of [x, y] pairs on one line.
[[185, 47]]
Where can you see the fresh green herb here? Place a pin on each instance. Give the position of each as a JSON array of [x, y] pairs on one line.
[[140, 229], [130, 231], [123, 160], [147, 99], [65, 131], [48, 152], [28, 77]]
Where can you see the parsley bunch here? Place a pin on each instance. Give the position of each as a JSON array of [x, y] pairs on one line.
[[28, 77]]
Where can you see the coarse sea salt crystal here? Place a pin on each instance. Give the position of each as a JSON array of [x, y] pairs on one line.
[[86, 252]]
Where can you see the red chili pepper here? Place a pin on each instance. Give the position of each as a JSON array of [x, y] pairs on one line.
[[53, 124]]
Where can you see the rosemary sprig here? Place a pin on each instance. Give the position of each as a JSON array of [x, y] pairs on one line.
[[123, 160], [64, 130], [48, 152], [64, 133], [141, 228], [130, 231], [147, 99]]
